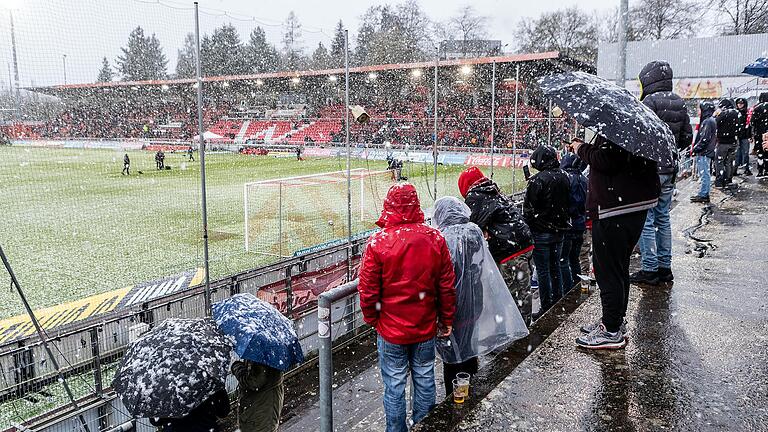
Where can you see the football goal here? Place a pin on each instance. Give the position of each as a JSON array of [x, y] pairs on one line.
[[286, 215]]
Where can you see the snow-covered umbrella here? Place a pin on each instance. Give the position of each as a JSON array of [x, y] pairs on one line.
[[613, 113], [262, 334], [173, 368], [758, 68]]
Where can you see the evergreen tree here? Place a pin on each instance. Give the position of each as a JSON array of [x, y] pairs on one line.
[[105, 73], [320, 58], [226, 54], [186, 66], [337, 46], [292, 48], [142, 58], [262, 56]]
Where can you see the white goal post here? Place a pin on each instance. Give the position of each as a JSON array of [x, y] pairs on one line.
[[281, 216]]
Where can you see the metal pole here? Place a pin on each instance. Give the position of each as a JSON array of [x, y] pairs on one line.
[[621, 71], [41, 334], [549, 124], [325, 363], [493, 112], [245, 215], [349, 153], [514, 134], [280, 219], [15, 60], [202, 164], [64, 60], [434, 143]]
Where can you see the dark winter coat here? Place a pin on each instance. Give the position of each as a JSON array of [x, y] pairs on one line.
[[706, 139], [126, 160], [261, 396], [577, 204], [656, 93], [727, 123], [547, 196], [494, 213], [744, 129], [619, 182], [406, 277], [200, 419], [760, 119]]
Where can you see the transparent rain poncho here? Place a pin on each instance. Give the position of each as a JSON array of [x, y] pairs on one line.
[[486, 314]]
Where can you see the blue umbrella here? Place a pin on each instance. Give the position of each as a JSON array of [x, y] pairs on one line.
[[758, 68], [262, 334]]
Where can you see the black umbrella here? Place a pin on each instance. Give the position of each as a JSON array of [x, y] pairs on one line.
[[613, 113], [173, 368]]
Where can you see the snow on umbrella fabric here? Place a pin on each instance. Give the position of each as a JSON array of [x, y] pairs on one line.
[[758, 68], [173, 368], [262, 334], [613, 113]]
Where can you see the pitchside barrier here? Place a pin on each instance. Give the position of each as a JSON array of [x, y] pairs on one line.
[[32, 398]]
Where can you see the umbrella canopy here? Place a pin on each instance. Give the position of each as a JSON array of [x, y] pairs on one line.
[[173, 368], [613, 113], [208, 135], [758, 68], [262, 334]]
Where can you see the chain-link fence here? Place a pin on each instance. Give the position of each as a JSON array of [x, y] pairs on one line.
[[101, 186]]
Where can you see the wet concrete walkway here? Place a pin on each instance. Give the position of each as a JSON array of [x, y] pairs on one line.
[[697, 357]]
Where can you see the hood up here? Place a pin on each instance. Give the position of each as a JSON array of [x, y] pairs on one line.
[[656, 76], [544, 158], [401, 206], [450, 211]]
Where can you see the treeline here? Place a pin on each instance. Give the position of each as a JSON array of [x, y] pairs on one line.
[[404, 33]]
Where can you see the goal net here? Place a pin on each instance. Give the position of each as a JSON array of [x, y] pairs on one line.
[[286, 215]]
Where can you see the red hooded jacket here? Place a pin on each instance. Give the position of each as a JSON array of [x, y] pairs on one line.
[[406, 277]]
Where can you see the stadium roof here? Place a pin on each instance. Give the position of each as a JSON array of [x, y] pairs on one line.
[[690, 58], [557, 59]]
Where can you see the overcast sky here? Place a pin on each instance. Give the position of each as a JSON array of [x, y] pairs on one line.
[[87, 30]]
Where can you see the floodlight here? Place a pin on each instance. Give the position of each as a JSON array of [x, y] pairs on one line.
[[466, 70], [416, 73]]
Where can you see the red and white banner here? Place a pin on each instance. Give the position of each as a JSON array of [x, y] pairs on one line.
[[498, 161]]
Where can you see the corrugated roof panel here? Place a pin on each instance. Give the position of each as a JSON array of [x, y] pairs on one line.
[[690, 58]]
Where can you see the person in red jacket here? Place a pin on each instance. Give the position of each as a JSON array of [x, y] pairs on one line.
[[407, 294]]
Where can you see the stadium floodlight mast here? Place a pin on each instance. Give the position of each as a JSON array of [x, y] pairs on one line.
[[201, 143], [43, 339], [514, 134], [493, 112]]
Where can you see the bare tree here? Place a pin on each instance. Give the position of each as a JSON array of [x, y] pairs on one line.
[[665, 19], [742, 16], [468, 25], [569, 31]]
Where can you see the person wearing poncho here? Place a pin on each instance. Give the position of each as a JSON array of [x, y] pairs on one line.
[[486, 315]]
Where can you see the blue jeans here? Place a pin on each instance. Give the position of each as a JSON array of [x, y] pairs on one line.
[[570, 265], [702, 165], [547, 249], [742, 153], [656, 240], [396, 361]]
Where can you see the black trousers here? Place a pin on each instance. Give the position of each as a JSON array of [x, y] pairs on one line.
[[762, 158], [450, 370], [613, 240]]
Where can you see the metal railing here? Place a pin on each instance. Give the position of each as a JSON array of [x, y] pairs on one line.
[[88, 350], [325, 322]]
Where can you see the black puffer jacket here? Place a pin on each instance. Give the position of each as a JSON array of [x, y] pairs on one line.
[[548, 194], [706, 139], [496, 214], [656, 93], [744, 130], [619, 182], [727, 123], [760, 119]]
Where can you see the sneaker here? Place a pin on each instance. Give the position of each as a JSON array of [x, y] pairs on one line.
[[589, 328], [665, 275], [700, 199], [601, 338], [644, 277]]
